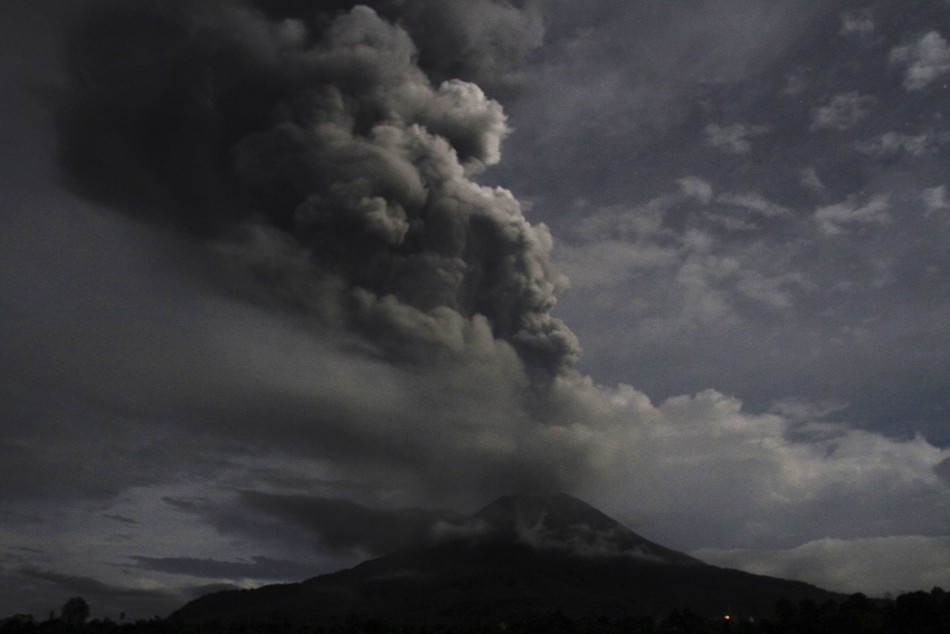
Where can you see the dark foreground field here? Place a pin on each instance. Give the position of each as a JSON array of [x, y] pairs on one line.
[[909, 613]]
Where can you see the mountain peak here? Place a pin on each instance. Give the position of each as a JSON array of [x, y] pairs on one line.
[[526, 555], [558, 521], [555, 510]]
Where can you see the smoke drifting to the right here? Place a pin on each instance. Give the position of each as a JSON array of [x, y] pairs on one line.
[[325, 161]]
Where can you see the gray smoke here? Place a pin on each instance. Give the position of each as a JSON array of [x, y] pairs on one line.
[[482, 41], [320, 163]]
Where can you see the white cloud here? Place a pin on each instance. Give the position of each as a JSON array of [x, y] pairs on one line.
[[621, 222], [730, 223], [833, 218], [926, 60], [743, 212], [843, 111], [610, 262], [701, 280], [935, 198], [874, 566], [733, 139], [894, 142], [768, 291], [811, 180], [860, 24], [696, 187], [796, 82], [616, 244], [611, 242], [761, 480], [755, 202], [710, 285]]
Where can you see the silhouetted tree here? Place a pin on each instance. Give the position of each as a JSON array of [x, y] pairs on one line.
[[75, 611]]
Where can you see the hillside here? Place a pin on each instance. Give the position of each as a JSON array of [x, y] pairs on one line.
[[520, 556]]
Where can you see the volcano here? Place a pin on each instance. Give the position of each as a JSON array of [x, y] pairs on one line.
[[520, 557]]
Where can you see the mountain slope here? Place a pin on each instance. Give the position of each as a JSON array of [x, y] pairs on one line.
[[523, 556], [563, 522]]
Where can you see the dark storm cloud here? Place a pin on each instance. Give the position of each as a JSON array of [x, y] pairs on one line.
[[120, 518], [189, 506], [337, 528], [344, 526], [256, 568], [35, 551], [332, 172], [71, 465], [193, 592], [41, 590], [86, 585]]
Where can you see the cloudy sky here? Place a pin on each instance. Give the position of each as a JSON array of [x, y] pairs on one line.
[[288, 284]]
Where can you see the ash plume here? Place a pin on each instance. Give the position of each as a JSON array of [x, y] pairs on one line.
[[483, 41], [322, 166]]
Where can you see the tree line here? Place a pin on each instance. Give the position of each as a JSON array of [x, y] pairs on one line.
[[909, 613]]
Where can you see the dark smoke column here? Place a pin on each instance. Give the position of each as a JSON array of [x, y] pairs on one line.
[[318, 161]]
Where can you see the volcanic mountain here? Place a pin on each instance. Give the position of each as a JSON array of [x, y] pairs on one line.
[[519, 557]]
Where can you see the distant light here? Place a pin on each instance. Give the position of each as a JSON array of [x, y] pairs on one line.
[[727, 617]]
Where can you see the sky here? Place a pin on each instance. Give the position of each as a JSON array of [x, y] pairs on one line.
[[292, 284]]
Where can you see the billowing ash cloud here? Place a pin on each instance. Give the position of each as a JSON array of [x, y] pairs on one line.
[[483, 41], [325, 170], [321, 165]]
